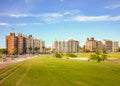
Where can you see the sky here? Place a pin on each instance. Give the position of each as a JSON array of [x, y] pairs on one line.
[[51, 20]]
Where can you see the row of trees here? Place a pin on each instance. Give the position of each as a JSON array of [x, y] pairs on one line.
[[35, 50], [15, 51], [3, 51]]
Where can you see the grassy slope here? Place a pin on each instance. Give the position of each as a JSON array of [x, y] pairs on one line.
[[59, 72], [114, 55], [110, 55]]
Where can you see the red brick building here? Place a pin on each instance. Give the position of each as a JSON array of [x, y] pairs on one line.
[[11, 43]]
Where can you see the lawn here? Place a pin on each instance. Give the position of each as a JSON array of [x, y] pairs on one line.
[[110, 55], [48, 71], [114, 55]]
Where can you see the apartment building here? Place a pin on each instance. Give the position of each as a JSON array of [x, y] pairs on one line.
[[99, 45], [115, 45], [11, 43], [107, 45], [29, 44], [23, 44], [69, 45], [91, 44]]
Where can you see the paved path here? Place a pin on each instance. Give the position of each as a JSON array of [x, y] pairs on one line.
[[87, 59], [10, 62]]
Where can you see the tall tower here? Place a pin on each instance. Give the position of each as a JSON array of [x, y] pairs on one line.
[[11, 43]]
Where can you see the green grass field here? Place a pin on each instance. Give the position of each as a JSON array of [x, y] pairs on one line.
[[110, 55], [48, 71]]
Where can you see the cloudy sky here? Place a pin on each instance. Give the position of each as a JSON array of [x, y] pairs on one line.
[[61, 19]]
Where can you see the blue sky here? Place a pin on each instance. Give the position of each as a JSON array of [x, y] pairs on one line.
[[61, 19]]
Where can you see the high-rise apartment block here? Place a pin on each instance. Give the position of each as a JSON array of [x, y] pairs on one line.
[[11, 43], [23, 44], [69, 45], [107, 45], [115, 45], [91, 44]]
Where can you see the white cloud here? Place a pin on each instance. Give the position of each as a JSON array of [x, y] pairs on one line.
[[112, 6], [3, 24], [26, 24], [51, 17], [115, 18], [54, 15], [95, 18], [28, 1], [19, 15], [61, 0], [71, 12], [63, 16], [90, 18]]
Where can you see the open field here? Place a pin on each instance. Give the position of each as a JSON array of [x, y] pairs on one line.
[[110, 55], [48, 71]]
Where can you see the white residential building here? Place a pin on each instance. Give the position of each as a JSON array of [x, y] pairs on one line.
[[115, 46], [69, 45]]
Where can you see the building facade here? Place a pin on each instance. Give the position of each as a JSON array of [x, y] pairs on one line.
[[11, 43], [23, 44], [115, 45], [69, 45], [107, 45], [91, 44]]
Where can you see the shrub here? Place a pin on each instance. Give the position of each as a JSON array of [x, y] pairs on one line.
[[0, 56], [57, 55], [97, 57], [103, 57], [71, 55]]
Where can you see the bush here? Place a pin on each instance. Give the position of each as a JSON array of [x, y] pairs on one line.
[[97, 57], [71, 55], [57, 55], [0, 56], [103, 57]]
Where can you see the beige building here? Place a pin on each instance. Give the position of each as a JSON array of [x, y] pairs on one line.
[[21, 44], [91, 45], [107, 45], [100, 45], [32, 44], [69, 45], [115, 46]]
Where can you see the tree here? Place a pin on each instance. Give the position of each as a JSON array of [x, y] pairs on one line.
[[15, 51], [80, 48], [43, 49], [98, 57], [30, 49], [36, 49], [3, 51], [118, 50]]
